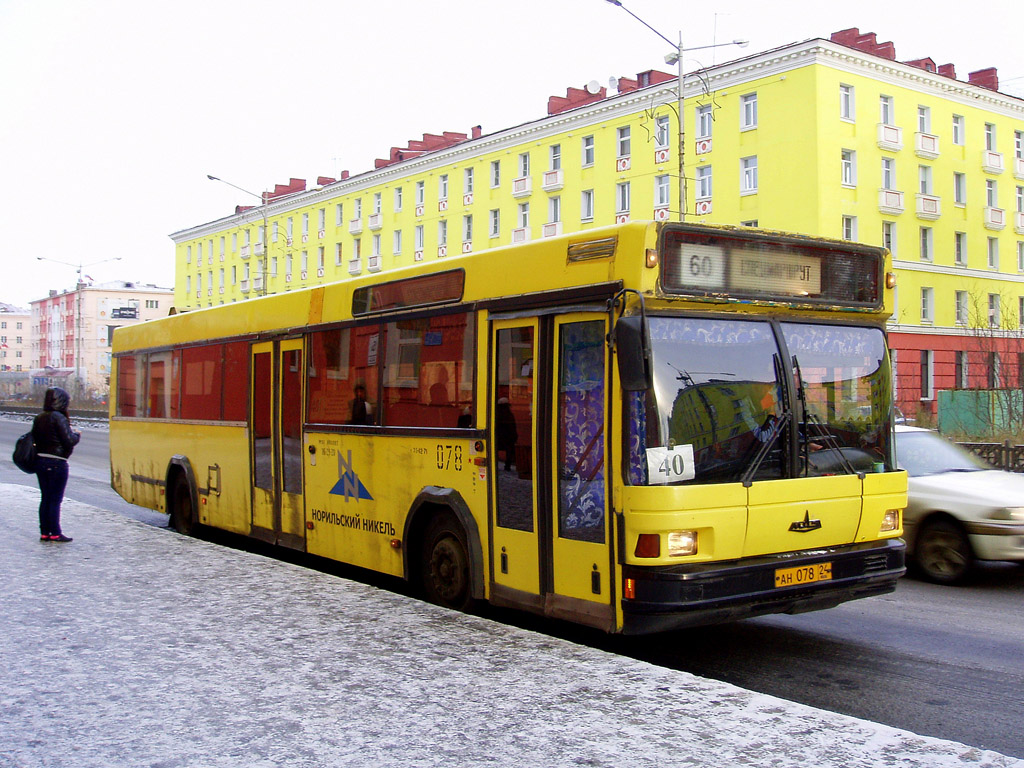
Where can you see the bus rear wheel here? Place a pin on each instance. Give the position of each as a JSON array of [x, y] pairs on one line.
[[445, 564], [183, 518]]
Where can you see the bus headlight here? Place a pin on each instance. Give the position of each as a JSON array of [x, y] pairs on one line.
[[890, 521], [682, 543]]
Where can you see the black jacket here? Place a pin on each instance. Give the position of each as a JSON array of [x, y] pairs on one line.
[[52, 434]]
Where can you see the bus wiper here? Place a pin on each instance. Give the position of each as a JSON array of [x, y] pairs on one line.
[[768, 441], [826, 438]]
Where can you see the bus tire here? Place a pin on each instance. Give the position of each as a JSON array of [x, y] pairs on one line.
[[942, 551], [183, 513], [445, 571]]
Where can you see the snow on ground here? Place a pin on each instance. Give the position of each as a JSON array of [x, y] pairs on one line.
[[134, 646]]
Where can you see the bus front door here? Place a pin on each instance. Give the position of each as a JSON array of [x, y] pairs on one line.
[[275, 436], [550, 528]]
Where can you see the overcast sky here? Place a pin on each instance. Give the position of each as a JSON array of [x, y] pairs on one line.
[[112, 112]]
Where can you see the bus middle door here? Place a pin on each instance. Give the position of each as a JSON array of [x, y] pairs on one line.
[[275, 436]]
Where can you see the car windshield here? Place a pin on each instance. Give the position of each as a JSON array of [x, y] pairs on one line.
[[927, 453], [752, 405]]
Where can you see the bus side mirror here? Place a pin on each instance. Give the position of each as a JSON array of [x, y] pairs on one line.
[[631, 347]]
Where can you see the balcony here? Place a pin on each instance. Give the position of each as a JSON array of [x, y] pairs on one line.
[[663, 155], [1018, 223], [522, 187], [552, 229], [355, 266], [890, 201], [520, 235], [929, 207], [890, 137], [373, 264], [926, 145], [375, 221], [623, 164], [992, 162], [995, 218], [417, 255], [703, 146], [467, 246], [702, 208], [662, 214], [257, 283], [467, 199], [355, 226], [243, 286], [1018, 168], [258, 249], [552, 181], [244, 252]]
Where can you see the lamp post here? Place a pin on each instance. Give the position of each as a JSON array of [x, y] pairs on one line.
[[79, 267], [264, 201], [677, 58]]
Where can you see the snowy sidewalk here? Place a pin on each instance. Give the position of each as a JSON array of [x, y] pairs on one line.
[[134, 646]]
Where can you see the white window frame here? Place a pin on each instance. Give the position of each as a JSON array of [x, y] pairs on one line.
[[524, 164], [926, 242], [993, 253], [990, 137], [662, 132], [663, 189], [959, 130], [886, 110], [467, 181], [748, 111], [622, 141], [888, 173], [587, 205], [924, 119], [703, 121], [704, 185], [622, 197], [960, 248], [495, 174], [554, 209], [959, 188], [889, 236], [587, 151], [748, 175], [850, 228], [960, 308], [555, 157], [924, 179], [992, 193], [398, 199], [927, 304], [849, 167], [495, 222], [847, 103]]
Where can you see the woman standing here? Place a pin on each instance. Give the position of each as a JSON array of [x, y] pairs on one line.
[[55, 440]]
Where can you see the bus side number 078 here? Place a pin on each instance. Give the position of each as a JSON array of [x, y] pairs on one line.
[[449, 457]]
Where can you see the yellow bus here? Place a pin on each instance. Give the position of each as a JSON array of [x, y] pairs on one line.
[[638, 427]]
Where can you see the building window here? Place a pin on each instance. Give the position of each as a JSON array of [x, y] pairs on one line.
[[924, 175], [587, 205], [337, 254], [467, 228], [495, 174], [703, 182], [396, 242], [994, 315], [524, 164], [1020, 199], [1020, 256], [748, 111], [748, 175], [662, 189], [959, 188], [495, 219], [846, 103], [374, 250], [960, 370], [622, 197], [885, 110], [961, 308], [927, 373], [587, 146], [555, 157], [704, 121], [850, 228], [305, 228], [378, 204], [442, 187], [888, 173], [467, 181], [993, 253], [889, 236], [418, 238], [926, 244], [622, 141], [1018, 144], [398, 199], [524, 215], [960, 248], [554, 209], [990, 137], [924, 119], [339, 218], [958, 130], [661, 132], [991, 193], [849, 167], [993, 372], [442, 232]]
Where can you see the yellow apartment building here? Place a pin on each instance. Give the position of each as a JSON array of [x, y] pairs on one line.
[[828, 137]]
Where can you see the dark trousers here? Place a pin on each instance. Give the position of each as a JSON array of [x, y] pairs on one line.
[[53, 478]]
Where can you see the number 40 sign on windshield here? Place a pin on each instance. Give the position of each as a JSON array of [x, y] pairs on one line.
[[669, 465]]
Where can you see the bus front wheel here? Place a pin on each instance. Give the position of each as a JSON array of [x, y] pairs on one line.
[[445, 564], [183, 518]]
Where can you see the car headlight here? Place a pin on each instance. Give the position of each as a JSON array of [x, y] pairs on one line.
[[1008, 513], [682, 543], [890, 521]]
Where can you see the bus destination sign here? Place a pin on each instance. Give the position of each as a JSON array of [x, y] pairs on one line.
[[697, 261]]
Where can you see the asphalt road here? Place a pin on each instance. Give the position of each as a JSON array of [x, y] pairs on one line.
[[939, 661]]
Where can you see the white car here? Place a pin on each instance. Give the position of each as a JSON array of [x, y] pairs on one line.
[[960, 509]]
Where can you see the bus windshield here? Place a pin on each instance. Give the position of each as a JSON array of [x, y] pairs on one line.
[[758, 400]]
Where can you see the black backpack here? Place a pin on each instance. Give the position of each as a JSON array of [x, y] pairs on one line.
[[25, 453]]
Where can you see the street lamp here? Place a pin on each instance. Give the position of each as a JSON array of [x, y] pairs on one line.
[[79, 267], [264, 201], [677, 58]]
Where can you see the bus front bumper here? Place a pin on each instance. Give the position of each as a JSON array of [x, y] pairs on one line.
[[674, 597]]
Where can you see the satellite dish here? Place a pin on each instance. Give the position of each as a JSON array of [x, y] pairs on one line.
[[593, 87], [613, 84]]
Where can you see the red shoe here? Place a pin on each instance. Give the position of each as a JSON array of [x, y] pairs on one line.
[[61, 537], [44, 537]]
